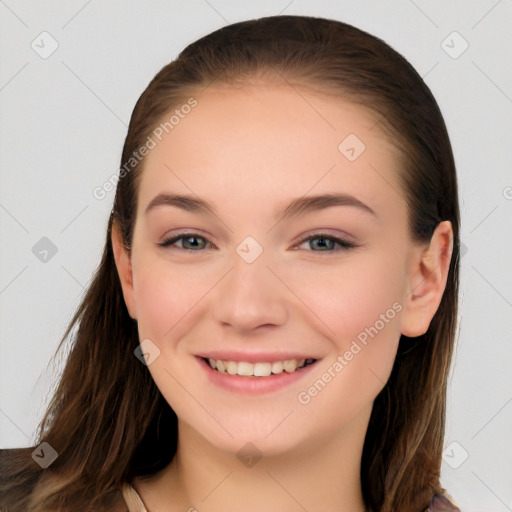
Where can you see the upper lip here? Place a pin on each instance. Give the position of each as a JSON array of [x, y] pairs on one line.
[[257, 357]]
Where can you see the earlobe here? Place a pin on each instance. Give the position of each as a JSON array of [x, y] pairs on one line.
[[427, 277], [124, 269]]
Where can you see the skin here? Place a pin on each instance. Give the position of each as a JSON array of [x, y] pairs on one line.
[[250, 150]]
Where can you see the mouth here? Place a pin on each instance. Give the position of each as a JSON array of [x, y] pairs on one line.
[[255, 374], [258, 369]]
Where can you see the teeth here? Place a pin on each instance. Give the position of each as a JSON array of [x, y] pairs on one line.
[[277, 367], [262, 369], [231, 367], [245, 369], [290, 365]]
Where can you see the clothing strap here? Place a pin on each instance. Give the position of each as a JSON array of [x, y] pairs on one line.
[[442, 503], [132, 499], [438, 502]]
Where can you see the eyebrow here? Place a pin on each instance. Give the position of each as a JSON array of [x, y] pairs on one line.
[[297, 207]]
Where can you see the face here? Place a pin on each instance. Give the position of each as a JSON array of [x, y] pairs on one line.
[[265, 288]]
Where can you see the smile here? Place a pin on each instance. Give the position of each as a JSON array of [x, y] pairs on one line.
[[255, 374], [260, 369]]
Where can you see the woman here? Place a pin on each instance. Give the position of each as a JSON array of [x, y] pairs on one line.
[[272, 323]]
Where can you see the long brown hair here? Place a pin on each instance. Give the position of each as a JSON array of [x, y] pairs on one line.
[[107, 419]]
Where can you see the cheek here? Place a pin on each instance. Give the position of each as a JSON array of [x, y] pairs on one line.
[[359, 305], [363, 308], [355, 294], [165, 294]]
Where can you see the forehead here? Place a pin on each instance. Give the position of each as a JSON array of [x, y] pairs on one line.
[[269, 143]]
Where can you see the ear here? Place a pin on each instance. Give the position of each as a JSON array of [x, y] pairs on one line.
[[124, 269], [427, 280]]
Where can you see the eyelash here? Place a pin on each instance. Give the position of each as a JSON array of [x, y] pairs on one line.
[[344, 245]]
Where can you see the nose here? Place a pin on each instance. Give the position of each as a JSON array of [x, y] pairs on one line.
[[250, 297]]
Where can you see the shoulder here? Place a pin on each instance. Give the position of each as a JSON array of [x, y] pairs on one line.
[[20, 474], [442, 503], [114, 501]]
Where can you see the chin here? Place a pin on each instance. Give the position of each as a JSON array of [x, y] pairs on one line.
[[248, 436]]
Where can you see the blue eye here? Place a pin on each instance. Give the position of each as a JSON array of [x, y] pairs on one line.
[[332, 242], [187, 239]]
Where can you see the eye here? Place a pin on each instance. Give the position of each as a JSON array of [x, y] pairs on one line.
[[187, 239], [330, 246], [189, 242]]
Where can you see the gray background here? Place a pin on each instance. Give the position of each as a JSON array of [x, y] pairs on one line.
[[62, 126]]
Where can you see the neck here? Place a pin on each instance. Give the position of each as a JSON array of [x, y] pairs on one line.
[[324, 475]]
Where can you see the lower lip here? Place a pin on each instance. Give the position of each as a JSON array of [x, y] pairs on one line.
[[253, 385]]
